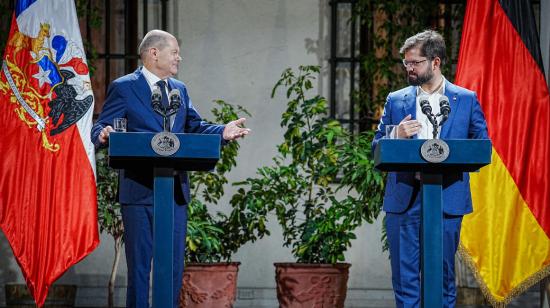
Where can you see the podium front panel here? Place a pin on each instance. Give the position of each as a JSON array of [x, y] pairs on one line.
[[466, 155], [197, 152]]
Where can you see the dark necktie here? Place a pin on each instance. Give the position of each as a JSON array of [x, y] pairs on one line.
[[162, 86]]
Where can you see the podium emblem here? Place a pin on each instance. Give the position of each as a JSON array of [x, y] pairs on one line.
[[434, 150], [165, 143]]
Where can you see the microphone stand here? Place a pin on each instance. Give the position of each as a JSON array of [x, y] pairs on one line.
[[433, 120], [167, 127], [166, 113], [427, 110]]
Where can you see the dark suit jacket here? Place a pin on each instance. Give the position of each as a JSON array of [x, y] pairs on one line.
[[466, 121], [130, 97]]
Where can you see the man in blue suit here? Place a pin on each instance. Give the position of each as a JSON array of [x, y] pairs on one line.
[[130, 97], [424, 54]]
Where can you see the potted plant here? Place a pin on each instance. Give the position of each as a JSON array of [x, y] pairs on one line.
[[108, 212], [210, 278], [317, 161]]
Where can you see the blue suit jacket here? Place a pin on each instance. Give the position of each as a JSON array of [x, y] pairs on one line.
[[466, 121], [130, 97]]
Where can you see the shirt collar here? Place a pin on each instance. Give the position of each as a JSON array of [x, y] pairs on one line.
[[440, 90], [151, 78]]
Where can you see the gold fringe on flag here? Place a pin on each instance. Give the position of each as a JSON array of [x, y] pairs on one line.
[[518, 290]]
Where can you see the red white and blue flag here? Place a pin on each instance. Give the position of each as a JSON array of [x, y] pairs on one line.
[[48, 205]]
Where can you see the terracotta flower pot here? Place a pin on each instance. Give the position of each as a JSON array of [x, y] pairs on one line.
[[311, 285], [209, 285]]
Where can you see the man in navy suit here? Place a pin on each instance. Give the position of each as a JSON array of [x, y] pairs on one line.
[[424, 54], [130, 97]]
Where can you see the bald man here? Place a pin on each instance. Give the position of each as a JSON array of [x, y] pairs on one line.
[[130, 97]]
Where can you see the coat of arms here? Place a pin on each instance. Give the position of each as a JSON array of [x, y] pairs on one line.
[[46, 79]]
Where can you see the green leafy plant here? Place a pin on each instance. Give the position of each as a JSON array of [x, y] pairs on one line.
[[300, 187], [108, 212], [214, 236]]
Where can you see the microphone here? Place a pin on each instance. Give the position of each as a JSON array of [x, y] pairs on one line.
[[175, 99], [427, 109], [156, 100], [445, 109]]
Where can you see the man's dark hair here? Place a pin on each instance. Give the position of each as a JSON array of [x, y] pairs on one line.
[[430, 43]]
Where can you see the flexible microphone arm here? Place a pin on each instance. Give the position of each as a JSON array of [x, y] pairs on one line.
[[156, 104], [427, 110]]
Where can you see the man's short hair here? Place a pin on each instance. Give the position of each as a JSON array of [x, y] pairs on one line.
[[153, 39], [430, 43]]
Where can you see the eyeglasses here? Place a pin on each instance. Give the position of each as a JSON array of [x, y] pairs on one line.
[[413, 64]]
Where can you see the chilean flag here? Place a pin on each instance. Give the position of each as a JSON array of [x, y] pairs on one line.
[[48, 205], [507, 238]]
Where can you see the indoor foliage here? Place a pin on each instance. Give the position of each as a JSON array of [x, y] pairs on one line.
[[108, 212], [317, 216], [214, 235], [386, 24]]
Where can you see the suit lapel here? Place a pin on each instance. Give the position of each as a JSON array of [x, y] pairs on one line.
[[452, 93], [409, 105], [141, 89]]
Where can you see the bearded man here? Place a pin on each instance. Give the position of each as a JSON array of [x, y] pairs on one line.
[[423, 57]]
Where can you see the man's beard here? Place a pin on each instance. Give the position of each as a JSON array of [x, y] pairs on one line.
[[420, 78]]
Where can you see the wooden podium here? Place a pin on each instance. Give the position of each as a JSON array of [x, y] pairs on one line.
[[405, 155], [196, 152]]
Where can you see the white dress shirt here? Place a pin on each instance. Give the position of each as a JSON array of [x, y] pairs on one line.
[[427, 128], [152, 80]]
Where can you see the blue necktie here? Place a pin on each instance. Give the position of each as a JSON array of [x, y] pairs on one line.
[[162, 86]]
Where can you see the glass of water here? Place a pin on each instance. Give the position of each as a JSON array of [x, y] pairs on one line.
[[391, 131], [119, 124]]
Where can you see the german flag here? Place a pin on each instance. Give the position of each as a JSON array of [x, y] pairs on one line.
[[506, 239]]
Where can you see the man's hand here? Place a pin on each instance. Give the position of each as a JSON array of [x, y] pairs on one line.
[[233, 130], [104, 134], [408, 127]]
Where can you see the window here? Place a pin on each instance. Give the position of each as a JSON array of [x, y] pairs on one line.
[[115, 42], [344, 63]]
